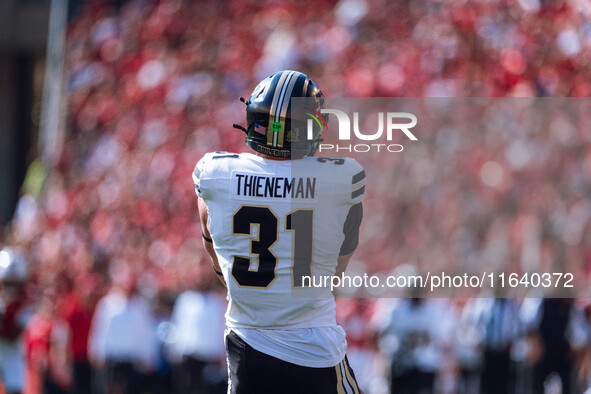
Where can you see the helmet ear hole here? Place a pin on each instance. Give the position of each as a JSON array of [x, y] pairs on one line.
[[270, 128]]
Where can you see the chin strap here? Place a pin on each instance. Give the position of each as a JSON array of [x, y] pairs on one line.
[[237, 126]]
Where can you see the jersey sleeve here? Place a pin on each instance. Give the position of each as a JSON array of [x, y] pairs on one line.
[[357, 182], [351, 229], [197, 173], [355, 191], [202, 175]]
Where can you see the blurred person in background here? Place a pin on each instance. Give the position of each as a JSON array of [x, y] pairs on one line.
[[558, 333], [15, 311], [78, 316], [354, 315], [198, 352], [122, 345], [48, 365], [417, 334], [160, 381], [36, 342], [468, 347], [584, 372], [497, 320]]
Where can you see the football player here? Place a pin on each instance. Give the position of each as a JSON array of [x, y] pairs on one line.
[[271, 219]]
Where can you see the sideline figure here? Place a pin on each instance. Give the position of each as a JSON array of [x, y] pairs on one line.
[[270, 219]]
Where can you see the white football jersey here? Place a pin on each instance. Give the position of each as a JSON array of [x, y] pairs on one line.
[[273, 223]]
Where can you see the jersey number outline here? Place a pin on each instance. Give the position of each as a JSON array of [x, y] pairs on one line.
[[263, 273]]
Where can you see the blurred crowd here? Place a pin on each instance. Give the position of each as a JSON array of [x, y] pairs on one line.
[[118, 295]]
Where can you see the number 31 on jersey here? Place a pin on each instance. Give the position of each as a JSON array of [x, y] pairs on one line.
[[258, 269]]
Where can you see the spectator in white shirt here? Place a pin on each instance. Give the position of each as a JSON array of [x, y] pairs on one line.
[[198, 352], [123, 340]]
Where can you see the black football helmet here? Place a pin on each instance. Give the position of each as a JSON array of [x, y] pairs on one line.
[[276, 129]]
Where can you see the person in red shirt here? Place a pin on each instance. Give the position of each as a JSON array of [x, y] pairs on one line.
[[79, 317], [36, 344]]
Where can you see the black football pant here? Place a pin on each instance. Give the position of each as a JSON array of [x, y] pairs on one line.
[[253, 372]]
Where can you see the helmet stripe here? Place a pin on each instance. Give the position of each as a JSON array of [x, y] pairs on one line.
[[280, 104], [273, 108], [285, 105], [305, 88]]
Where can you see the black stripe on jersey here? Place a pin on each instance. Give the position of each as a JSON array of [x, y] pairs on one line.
[[358, 192], [359, 177], [220, 155]]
